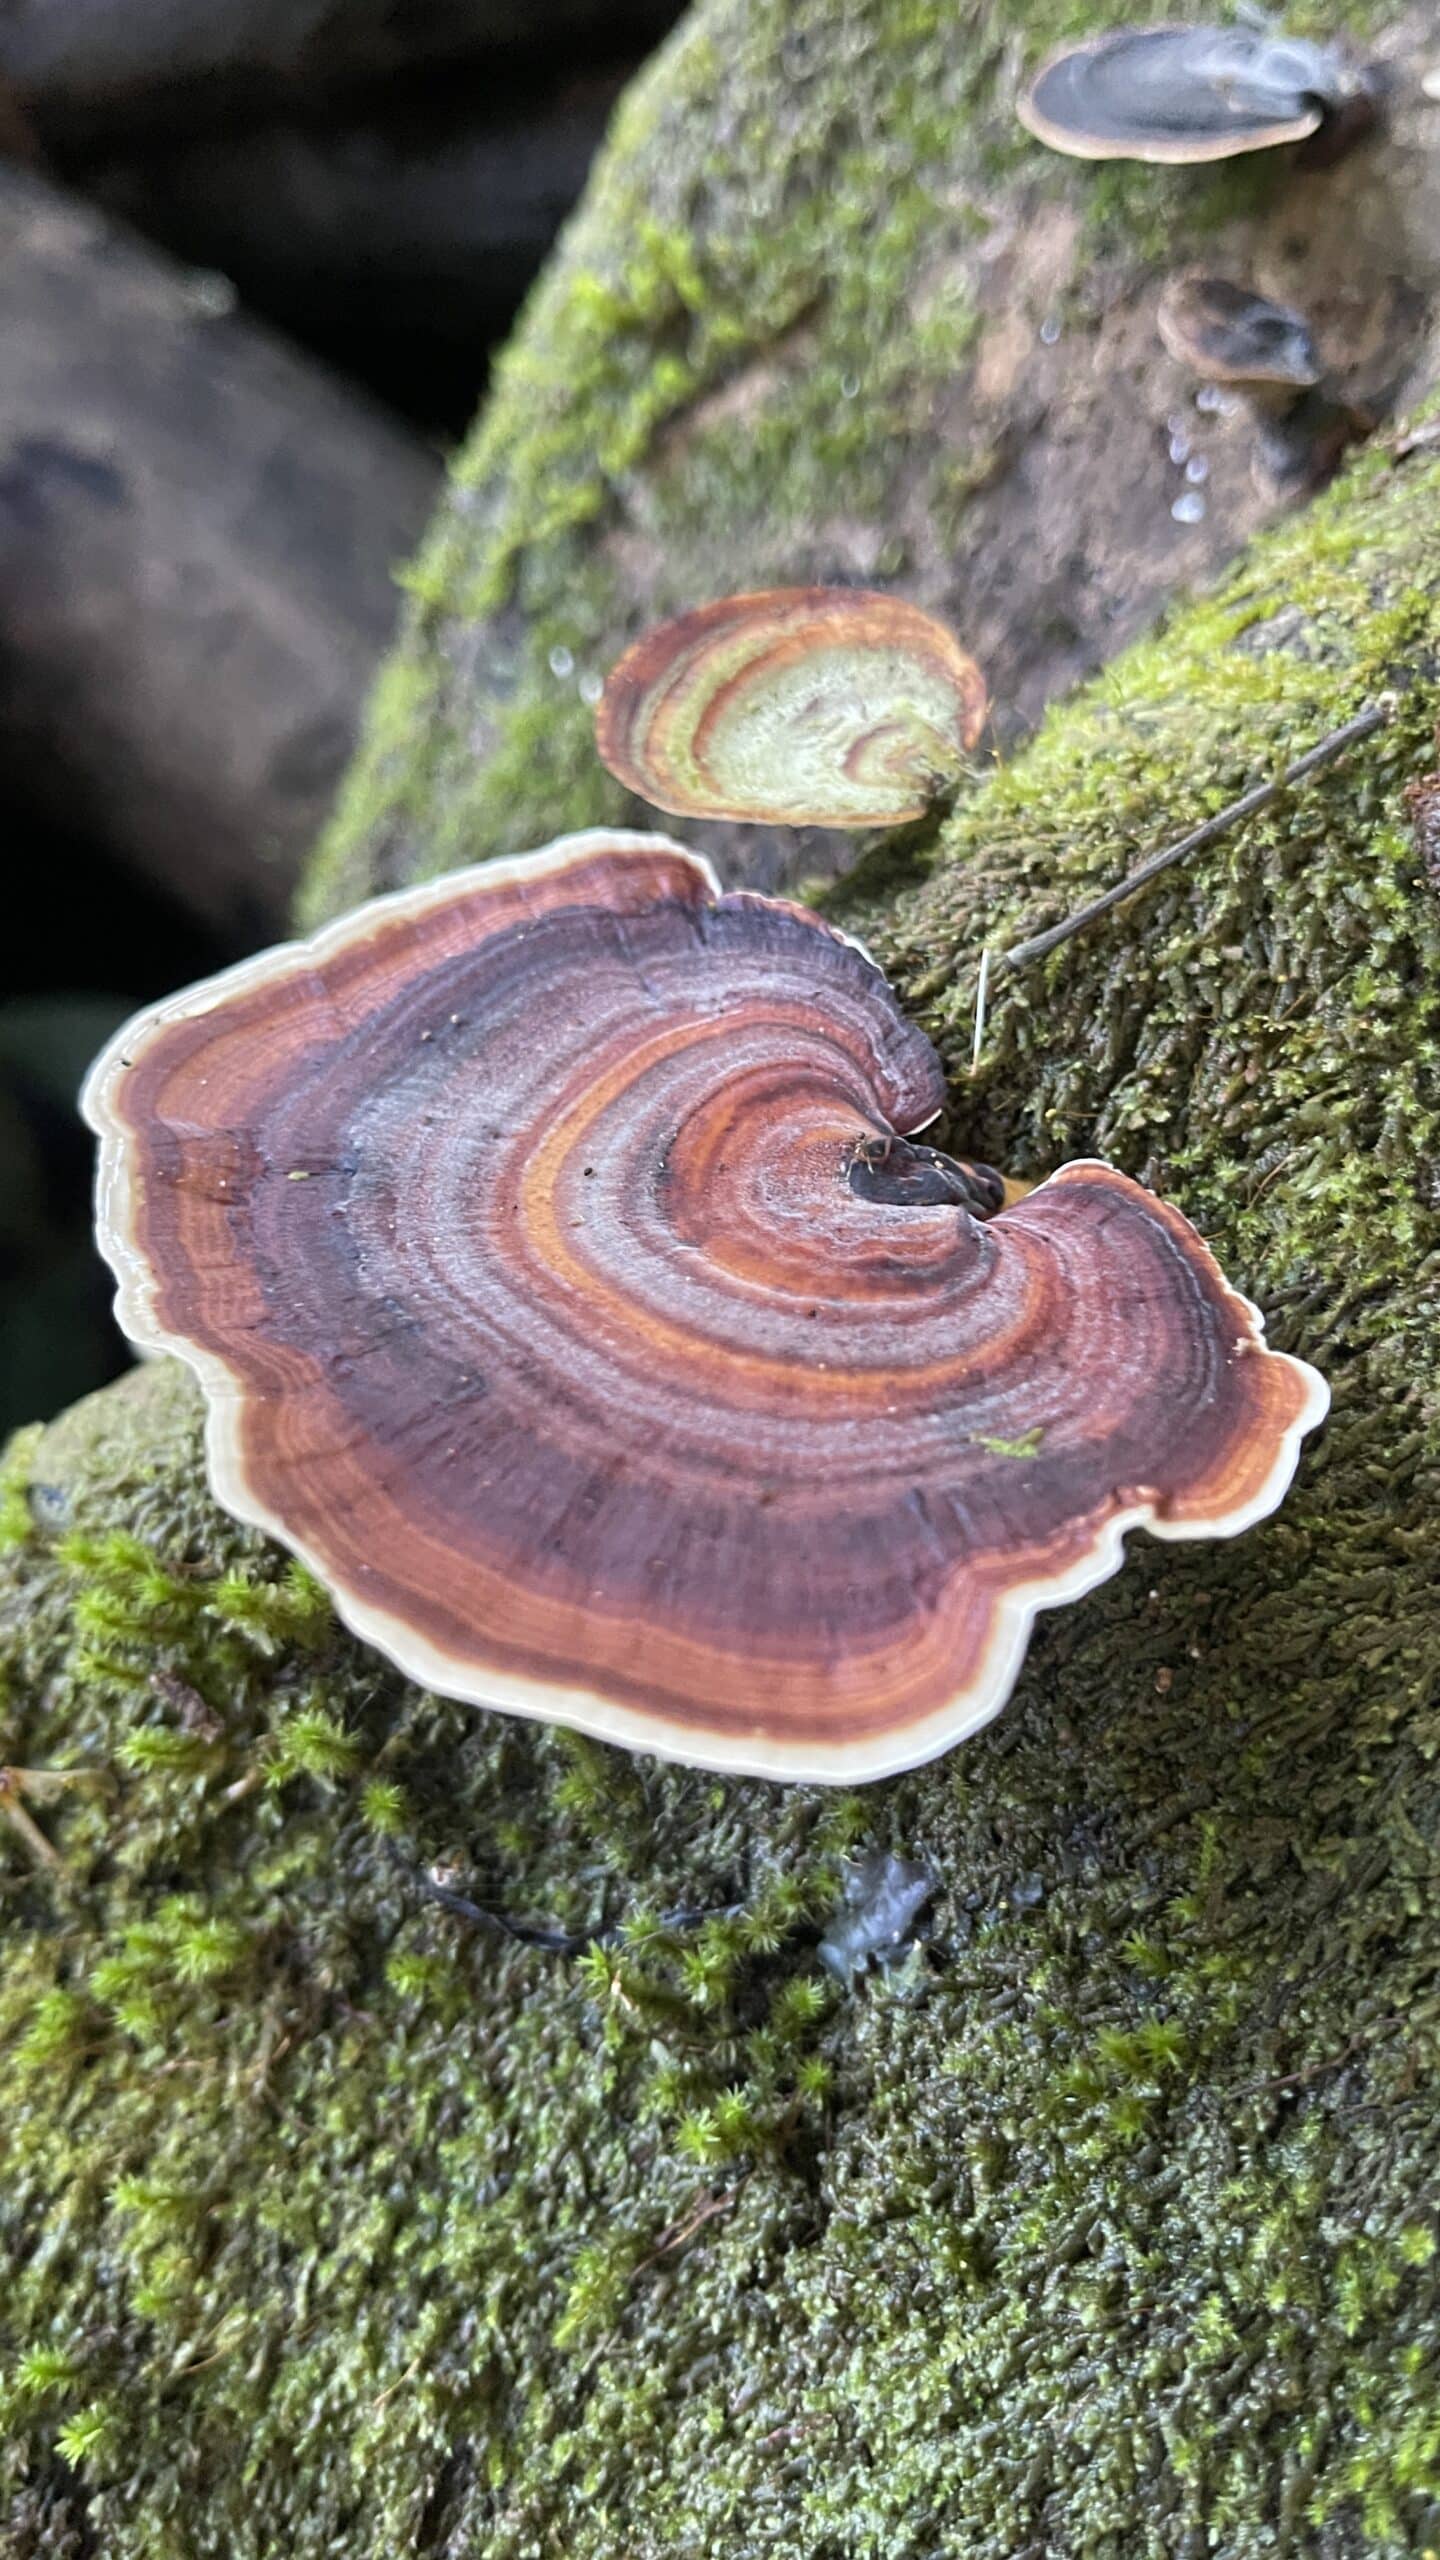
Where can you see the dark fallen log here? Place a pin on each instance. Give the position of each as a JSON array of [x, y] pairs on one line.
[[87, 64], [17, 136], [197, 537], [397, 248]]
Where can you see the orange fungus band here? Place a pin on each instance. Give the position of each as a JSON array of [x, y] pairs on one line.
[[797, 706], [564, 1292]]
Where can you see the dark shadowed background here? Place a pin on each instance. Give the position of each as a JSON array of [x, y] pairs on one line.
[[255, 256]]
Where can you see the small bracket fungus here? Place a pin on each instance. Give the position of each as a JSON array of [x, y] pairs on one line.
[[802, 706], [1185, 93], [1264, 351], [1227, 334], [512, 1228]]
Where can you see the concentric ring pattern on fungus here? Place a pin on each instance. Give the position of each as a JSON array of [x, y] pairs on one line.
[[510, 1226], [1183, 93], [800, 706]]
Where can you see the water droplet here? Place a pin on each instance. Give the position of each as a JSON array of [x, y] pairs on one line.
[[1197, 468], [212, 296], [591, 688], [1049, 331], [562, 662], [1179, 448], [850, 386], [1175, 423], [1190, 508], [1207, 398]]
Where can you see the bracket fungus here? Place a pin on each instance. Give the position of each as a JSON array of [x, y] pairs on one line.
[[530, 1235], [798, 706], [1182, 93], [1229, 335], [1264, 352]]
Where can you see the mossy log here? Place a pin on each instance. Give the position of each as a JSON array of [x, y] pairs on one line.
[[828, 312], [340, 2219]]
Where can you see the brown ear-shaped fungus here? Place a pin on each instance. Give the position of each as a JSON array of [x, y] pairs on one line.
[[1184, 93], [565, 1291], [1227, 334], [1264, 352], [801, 706]]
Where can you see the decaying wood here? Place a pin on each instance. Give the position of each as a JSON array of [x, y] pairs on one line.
[[1045, 491], [91, 65], [399, 246], [197, 537]]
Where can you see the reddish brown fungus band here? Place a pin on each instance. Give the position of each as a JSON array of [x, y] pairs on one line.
[[795, 706], [514, 1231]]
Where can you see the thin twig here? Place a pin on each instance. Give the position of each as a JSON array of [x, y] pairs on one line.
[[1328, 750], [982, 989], [400, 2379], [558, 1942], [679, 2232], [1313, 2070], [12, 1788], [555, 1942]]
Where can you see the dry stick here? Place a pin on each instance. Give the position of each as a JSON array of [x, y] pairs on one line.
[[982, 989], [1327, 751], [12, 1787], [679, 2232], [555, 1942]]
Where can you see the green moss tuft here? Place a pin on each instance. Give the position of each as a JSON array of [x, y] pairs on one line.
[[17, 1525]]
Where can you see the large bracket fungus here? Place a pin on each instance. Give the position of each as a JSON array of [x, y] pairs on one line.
[[531, 1236], [799, 706], [1180, 93]]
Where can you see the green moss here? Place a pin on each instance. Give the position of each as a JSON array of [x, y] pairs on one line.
[[730, 373], [1295, 995], [16, 1523]]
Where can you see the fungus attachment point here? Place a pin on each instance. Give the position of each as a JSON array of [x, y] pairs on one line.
[[623, 1362], [895, 1170], [1185, 93], [802, 706]]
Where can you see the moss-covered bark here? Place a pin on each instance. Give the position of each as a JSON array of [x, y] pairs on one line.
[[827, 312], [1106, 2224]]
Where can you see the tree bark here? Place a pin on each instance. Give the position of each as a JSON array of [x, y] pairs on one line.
[[1104, 2224], [198, 538], [828, 329]]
